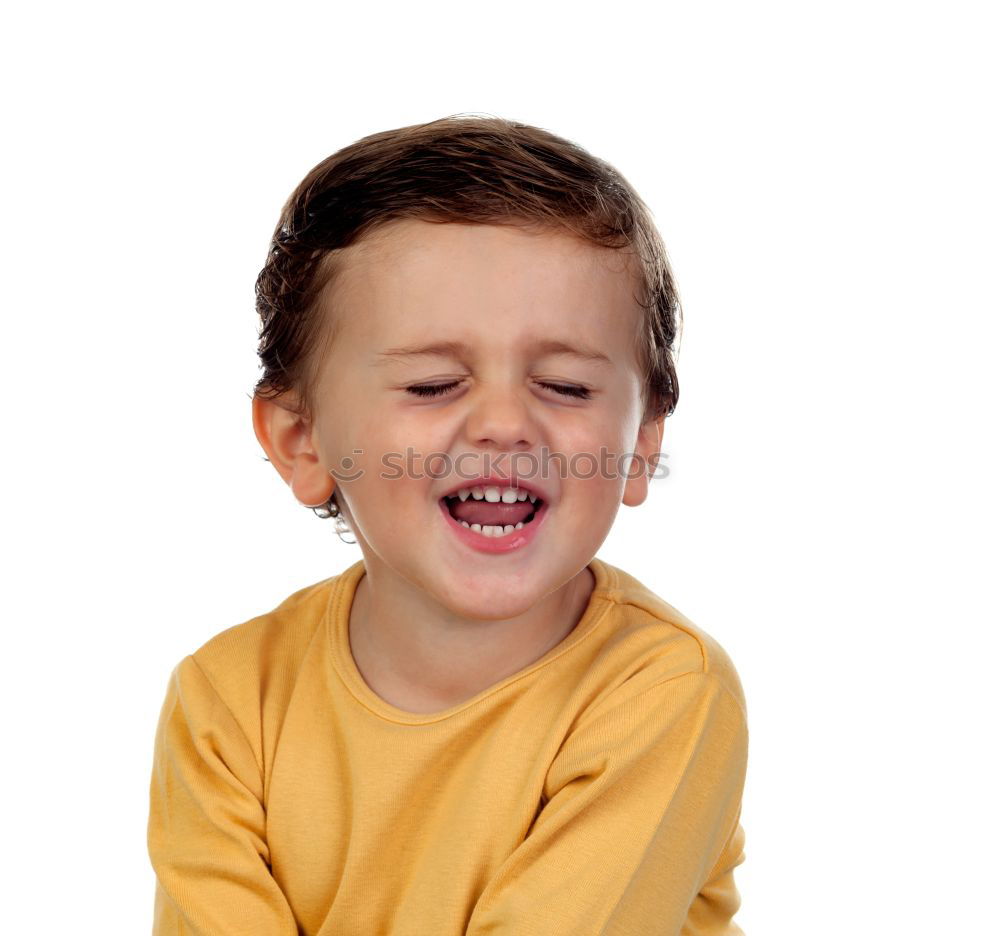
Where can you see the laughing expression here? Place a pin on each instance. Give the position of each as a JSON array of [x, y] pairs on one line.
[[487, 346]]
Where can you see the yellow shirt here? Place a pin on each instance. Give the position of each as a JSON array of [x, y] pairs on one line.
[[596, 791]]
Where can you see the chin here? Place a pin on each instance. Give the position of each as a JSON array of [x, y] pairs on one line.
[[494, 600]]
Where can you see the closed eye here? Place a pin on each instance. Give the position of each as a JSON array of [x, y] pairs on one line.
[[433, 390], [581, 393]]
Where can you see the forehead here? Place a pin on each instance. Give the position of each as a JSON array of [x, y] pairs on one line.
[[424, 280]]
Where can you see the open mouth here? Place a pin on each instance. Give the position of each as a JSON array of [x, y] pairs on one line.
[[493, 511]]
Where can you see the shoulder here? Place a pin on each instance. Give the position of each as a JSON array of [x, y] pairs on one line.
[[266, 639], [253, 665], [656, 642]]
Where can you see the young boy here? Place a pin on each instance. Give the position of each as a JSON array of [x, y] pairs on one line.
[[479, 727]]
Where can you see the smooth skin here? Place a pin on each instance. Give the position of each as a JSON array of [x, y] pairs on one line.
[[435, 622]]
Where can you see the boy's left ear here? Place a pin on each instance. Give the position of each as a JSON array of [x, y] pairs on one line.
[[647, 451]]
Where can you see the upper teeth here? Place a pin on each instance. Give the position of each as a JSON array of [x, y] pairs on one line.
[[495, 494]]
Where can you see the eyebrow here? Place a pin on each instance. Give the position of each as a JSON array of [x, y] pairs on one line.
[[458, 349]]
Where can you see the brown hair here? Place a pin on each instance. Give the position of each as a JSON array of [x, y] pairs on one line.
[[465, 169]]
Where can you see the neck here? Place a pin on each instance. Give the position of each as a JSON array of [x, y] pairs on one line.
[[417, 655]]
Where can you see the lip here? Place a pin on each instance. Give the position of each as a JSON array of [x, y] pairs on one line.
[[497, 481], [516, 539]]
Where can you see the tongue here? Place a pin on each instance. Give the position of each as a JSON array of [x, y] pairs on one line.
[[487, 514]]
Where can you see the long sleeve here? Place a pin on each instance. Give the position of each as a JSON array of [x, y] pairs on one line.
[[206, 832], [640, 831]]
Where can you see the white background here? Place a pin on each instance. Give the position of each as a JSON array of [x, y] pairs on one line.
[[825, 179]]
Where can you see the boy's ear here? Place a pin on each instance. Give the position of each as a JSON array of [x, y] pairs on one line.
[[286, 437], [647, 449]]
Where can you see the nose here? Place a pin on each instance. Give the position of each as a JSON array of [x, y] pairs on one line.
[[500, 419]]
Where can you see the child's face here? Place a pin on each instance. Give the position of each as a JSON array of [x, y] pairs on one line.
[[502, 293]]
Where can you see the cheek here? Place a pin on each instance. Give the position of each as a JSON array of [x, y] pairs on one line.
[[603, 439], [598, 460], [396, 428], [378, 442]]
